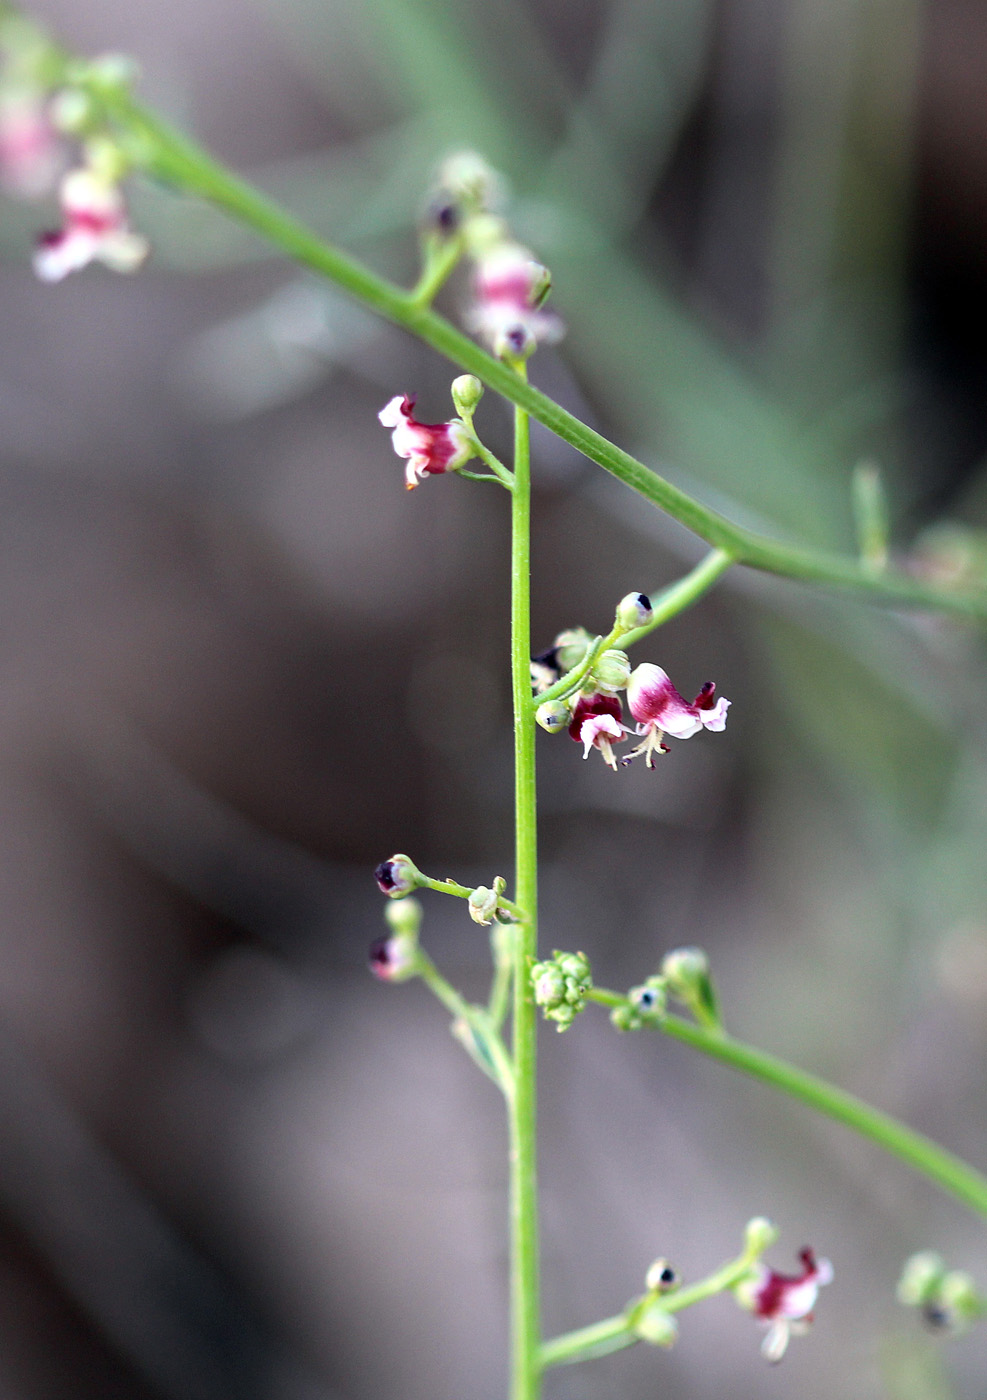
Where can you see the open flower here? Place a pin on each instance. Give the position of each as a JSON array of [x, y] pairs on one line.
[[431, 448], [783, 1303], [94, 229], [509, 289], [659, 710], [596, 725]]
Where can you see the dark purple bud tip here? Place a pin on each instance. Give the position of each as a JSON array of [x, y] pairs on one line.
[[387, 878], [667, 1276], [643, 601], [445, 216]]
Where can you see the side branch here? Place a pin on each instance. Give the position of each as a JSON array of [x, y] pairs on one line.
[[170, 157]]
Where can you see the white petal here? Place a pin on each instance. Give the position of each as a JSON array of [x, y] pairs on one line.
[[390, 415]]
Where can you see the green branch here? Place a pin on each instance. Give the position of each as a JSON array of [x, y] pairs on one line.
[[166, 155], [949, 1172]]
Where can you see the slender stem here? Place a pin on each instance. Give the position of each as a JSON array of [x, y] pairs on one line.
[[525, 1324], [473, 1026], [167, 155], [463, 892], [586, 1343], [440, 260], [949, 1172]]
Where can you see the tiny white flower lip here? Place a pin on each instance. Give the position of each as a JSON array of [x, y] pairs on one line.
[[94, 229]]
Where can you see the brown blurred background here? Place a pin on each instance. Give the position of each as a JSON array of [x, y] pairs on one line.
[[240, 666]]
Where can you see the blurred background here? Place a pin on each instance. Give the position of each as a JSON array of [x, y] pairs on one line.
[[240, 666]]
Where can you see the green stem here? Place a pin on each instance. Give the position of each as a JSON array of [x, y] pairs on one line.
[[160, 150], [525, 1310], [485, 1044], [924, 1156], [440, 260], [463, 892]]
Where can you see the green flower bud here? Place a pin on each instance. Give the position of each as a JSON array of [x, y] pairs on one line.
[[656, 1326], [404, 917], [648, 1000], [759, 1235], [611, 672], [961, 1299], [553, 716], [71, 111], [686, 970], [548, 985], [467, 391], [633, 611], [470, 182], [571, 647], [920, 1278], [624, 1018], [576, 968]]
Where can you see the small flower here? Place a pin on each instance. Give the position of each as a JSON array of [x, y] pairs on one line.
[[431, 448], [509, 288], [94, 229], [596, 725], [30, 153], [783, 1303], [659, 709]]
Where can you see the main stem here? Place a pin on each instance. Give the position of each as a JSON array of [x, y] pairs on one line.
[[525, 1318]]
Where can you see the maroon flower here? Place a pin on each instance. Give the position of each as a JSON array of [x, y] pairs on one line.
[[596, 724], [783, 1303], [431, 448]]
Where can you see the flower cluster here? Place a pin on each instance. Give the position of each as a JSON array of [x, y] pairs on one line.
[[593, 713], [508, 284], [948, 1299], [560, 986]]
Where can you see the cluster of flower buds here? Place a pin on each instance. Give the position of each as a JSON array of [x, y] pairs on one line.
[[645, 1005], [560, 986], [509, 285], [394, 958], [781, 1303], [684, 976], [948, 1299], [651, 1320], [593, 712]]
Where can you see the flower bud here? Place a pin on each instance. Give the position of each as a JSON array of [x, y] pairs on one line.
[[661, 1277], [571, 647], [548, 985], [404, 917], [686, 970], [920, 1278], [656, 1326], [514, 342], [467, 391], [394, 959], [560, 987], [611, 672], [470, 182], [759, 1235], [483, 901], [633, 611], [961, 1299], [648, 1000], [553, 716], [398, 876], [71, 111]]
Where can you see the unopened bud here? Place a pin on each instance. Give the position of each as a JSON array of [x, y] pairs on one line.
[[661, 1277], [553, 716], [394, 959], [633, 611], [398, 876], [71, 111], [470, 181], [515, 342], [612, 672], [571, 647], [467, 391], [686, 970], [656, 1326], [648, 1000], [920, 1278], [961, 1299], [483, 901], [404, 917], [759, 1235]]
